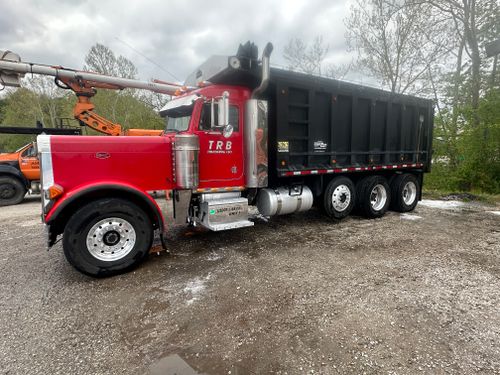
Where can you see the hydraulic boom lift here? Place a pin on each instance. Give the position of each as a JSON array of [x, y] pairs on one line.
[[84, 85]]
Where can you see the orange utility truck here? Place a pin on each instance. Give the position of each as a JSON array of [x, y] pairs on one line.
[[20, 170]]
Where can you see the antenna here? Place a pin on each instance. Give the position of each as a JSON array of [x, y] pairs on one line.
[[147, 58]]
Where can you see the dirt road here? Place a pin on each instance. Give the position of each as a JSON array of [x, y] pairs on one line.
[[405, 294]]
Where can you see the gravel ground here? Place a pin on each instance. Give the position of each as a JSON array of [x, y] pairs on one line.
[[405, 294]]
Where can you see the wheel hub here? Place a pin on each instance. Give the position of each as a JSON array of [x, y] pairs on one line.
[[409, 193], [111, 239], [341, 198], [7, 191], [378, 197]]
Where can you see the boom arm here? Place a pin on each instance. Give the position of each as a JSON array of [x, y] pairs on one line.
[[83, 84]]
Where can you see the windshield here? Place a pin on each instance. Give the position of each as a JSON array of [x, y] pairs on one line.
[[177, 119], [21, 148]]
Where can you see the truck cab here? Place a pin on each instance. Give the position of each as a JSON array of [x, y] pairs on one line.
[[220, 141], [19, 171]]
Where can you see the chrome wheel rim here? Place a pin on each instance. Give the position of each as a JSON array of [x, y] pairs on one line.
[[378, 197], [341, 198], [409, 193], [111, 239]]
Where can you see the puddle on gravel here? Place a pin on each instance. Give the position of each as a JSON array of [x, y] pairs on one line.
[[196, 288], [456, 206], [443, 205], [409, 217], [172, 365]]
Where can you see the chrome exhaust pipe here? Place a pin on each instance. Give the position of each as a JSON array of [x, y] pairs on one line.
[[266, 70]]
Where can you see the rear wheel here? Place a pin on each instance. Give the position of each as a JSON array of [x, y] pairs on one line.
[[404, 192], [373, 196], [339, 198], [107, 237], [12, 191]]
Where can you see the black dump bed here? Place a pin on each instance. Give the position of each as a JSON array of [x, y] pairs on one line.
[[317, 123]]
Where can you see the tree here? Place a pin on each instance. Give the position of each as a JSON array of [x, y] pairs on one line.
[[50, 101], [3, 107], [101, 59], [309, 58], [128, 107], [476, 22], [304, 57], [391, 43], [19, 111]]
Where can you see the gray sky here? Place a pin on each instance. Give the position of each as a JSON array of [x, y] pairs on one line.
[[178, 35]]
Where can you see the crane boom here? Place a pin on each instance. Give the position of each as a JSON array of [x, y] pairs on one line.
[[83, 84], [93, 79]]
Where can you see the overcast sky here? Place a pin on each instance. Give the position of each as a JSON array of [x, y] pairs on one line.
[[177, 35]]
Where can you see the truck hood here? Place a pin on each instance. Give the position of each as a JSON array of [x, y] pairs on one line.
[[144, 162], [9, 157]]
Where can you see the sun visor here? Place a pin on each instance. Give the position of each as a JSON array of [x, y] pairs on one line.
[[182, 102], [240, 69]]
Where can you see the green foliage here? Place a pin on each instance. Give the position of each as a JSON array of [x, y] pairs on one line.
[[477, 152], [3, 107], [19, 110], [480, 147], [126, 109]]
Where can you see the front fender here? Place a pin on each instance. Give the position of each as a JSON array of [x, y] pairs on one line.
[[78, 196], [10, 169]]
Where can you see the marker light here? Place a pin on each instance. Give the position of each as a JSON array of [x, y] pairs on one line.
[[54, 191]]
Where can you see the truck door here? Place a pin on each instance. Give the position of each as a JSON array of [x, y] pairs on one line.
[[221, 158], [29, 163]]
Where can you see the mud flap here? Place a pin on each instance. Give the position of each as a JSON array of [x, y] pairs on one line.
[[51, 238], [163, 241]]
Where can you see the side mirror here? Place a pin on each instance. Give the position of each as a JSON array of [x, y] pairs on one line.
[[227, 131], [223, 109]]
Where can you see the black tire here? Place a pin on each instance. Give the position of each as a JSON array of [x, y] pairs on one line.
[[365, 194], [339, 198], [122, 216], [12, 191], [405, 189]]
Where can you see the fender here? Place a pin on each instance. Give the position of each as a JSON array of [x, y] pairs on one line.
[[92, 189], [7, 169]]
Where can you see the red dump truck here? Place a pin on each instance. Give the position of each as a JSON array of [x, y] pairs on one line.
[[239, 134]]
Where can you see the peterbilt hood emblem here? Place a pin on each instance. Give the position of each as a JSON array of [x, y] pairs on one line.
[[102, 155]]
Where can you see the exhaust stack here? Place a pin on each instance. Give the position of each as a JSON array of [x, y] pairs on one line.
[[266, 70], [10, 78]]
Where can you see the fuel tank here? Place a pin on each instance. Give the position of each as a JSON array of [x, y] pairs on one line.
[[284, 200]]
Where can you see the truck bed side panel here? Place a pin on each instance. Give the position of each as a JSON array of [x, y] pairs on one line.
[[322, 123]]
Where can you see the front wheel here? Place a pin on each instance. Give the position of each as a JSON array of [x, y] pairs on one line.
[[107, 237], [12, 191]]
